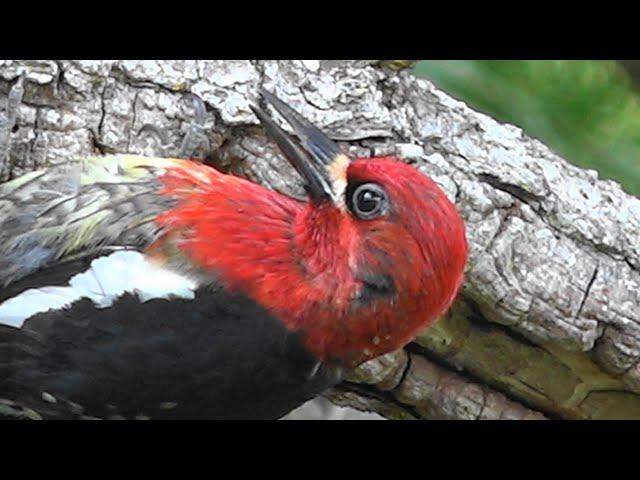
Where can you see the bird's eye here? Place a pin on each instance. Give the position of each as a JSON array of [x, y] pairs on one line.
[[368, 201]]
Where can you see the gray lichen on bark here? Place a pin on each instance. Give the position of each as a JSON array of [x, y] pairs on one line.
[[548, 318]]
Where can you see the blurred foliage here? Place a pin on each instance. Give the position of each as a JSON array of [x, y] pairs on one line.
[[585, 110]]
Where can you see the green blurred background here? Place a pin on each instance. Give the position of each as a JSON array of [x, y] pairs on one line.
[[588, 111]]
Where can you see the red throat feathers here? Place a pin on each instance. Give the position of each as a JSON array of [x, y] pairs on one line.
[[374, 257], [309, 264]]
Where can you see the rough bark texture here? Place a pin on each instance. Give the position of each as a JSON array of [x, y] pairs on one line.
[[548, 323]]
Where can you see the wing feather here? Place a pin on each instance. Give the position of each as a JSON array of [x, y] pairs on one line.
[[77, 208]]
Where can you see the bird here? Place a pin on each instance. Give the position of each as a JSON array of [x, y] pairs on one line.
[[163, 288]]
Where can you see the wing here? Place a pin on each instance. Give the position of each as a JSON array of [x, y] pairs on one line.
[[117, 336], [76, 209]]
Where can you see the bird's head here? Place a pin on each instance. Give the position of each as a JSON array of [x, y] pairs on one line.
[[375, 255]]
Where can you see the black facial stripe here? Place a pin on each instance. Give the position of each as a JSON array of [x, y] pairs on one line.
[[375, 286]]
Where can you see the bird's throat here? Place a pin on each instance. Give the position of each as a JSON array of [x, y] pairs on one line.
[[298, 261]]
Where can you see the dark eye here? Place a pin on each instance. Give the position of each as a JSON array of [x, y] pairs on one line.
[[368, 201]]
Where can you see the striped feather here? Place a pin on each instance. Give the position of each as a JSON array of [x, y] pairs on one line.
[[80, 206]]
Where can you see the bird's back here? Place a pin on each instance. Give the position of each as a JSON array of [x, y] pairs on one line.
[[75, 209]]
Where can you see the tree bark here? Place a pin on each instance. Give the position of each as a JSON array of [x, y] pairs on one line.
[[632, 67], [547, 324]]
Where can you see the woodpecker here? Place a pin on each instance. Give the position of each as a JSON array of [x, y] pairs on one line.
[[138, 287]]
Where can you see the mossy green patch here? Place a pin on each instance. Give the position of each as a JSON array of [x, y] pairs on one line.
[[585, 110], [546, 377]]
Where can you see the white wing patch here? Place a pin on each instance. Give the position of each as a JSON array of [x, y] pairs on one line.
[[107, 278]]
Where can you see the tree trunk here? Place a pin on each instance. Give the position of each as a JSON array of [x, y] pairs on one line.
[[547, 324]]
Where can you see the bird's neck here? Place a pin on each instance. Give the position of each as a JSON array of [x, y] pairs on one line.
[[325, 241], [296, 260]]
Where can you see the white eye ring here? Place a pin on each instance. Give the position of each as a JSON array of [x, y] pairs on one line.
[[369, 201]]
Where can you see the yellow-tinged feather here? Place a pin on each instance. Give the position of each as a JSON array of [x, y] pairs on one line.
[[84, 231], [116, 168], [12, 185], [338, 174]]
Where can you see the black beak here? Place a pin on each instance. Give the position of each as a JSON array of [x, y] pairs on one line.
[[316, 157]]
